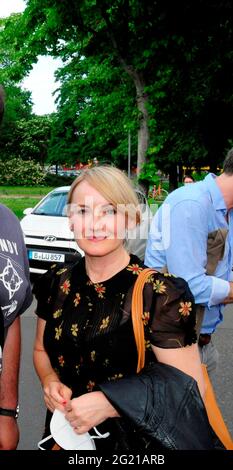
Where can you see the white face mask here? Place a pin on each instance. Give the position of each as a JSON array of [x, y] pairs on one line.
[[64, 435]]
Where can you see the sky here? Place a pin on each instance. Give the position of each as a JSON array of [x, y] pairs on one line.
[[40, 81]]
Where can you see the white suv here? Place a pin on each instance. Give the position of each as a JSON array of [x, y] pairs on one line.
[[48, 237]]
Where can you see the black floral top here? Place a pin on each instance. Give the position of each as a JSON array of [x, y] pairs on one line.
[[88, 334]]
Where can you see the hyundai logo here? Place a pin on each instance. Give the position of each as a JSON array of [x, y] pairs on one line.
[[50, 238]]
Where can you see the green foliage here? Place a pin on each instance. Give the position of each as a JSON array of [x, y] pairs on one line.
[[58, 180], [199, 175], [18, 101], [149, 174], [163, 66], [104, 99], [22, 134], [21, 173], [29, 139], [17, 107]]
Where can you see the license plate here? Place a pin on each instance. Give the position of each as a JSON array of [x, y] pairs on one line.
[[43, 256]]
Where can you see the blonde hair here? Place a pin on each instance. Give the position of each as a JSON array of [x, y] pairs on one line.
[[113, 185]]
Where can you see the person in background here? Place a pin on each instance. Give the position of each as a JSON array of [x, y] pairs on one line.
[[194, 240], [188, 179], [84, 331], [15, 298]]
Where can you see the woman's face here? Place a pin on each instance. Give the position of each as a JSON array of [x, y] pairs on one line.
[[99, 228]]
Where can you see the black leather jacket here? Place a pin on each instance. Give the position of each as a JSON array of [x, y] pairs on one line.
[[164, 404]]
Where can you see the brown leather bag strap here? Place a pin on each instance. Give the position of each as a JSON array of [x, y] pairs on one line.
[[137, 312], [214, 413], [56, 447]]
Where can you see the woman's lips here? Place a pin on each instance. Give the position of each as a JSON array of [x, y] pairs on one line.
[[97, 239]]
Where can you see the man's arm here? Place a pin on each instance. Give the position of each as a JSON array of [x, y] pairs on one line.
[[186, 233], [9, 434]]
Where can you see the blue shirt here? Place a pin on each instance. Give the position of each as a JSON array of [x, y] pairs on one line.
[[178, 240]]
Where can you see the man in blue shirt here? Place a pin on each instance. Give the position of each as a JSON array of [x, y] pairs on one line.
[[178, 242]]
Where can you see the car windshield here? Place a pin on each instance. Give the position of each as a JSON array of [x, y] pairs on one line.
[[54, 204]]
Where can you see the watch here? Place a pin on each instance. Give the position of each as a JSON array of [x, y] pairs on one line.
[[9, 412]]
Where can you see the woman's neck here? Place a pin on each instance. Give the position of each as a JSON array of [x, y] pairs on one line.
[[100, 269]]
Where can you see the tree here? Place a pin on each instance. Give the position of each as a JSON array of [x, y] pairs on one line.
[[121, 31], [167, 62], [17, 106], [18, 101], [31, 139], [95, 113]]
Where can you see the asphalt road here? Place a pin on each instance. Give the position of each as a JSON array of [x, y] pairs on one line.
[[32, 410]]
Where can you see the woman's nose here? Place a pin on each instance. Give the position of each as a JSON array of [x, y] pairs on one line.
[[98, 222]]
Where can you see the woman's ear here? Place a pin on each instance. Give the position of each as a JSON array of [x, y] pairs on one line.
[[71, 225]]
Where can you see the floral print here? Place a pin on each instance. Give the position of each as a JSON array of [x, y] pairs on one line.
[[115, 377], [61, 271], [159, 287], [58, 332], [134, 268], [74, 329], [61, 360], [65, 287], [104, 323], [185, 308], [93, 356], [90, 386], [145, 318], [147, 344], [58, 313], [77, 299], [100, 289]]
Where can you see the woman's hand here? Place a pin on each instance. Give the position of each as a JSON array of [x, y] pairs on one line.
[[56, 394], [88, 411]]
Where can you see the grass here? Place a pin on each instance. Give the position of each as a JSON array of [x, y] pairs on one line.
[[18, 205], [25, 190], [18, 198]]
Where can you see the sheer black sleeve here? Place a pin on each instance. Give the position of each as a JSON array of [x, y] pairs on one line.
[[172, 316], [44, 289]]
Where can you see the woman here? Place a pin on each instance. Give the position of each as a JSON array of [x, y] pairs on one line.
[[187, 179], [84, 333]]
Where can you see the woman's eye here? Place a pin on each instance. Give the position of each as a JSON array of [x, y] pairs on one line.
[[80, 210], [110, 211]]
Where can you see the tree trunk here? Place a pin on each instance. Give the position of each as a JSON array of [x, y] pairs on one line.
[[181, 174], [141, 97], [143, 131], [173, 178]]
